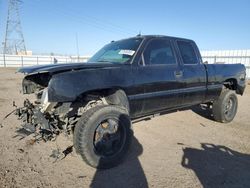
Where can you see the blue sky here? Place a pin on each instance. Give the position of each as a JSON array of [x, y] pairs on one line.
[[51, 25]]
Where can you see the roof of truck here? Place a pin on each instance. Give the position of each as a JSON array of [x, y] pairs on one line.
[[158, 36]]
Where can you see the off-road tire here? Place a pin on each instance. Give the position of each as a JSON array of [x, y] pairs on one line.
[[84, 133], [219, 106]]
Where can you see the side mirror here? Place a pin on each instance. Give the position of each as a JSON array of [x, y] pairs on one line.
[[205, 62]]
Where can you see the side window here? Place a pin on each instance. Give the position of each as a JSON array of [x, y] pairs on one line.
[[159, 51], [187, 52]]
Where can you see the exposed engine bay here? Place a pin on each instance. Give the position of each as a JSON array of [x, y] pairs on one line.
[[48, 119]]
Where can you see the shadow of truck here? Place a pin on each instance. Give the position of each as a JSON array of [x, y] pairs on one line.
[[218, 166]]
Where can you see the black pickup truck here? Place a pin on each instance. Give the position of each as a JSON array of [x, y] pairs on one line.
[[126, 80]]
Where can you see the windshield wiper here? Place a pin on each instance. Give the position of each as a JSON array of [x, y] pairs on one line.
[[104, 61]]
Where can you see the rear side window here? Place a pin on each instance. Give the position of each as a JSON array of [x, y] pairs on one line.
[[187, 52], [159, 51]]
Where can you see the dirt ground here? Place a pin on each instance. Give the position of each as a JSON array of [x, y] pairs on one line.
[[181, 149]]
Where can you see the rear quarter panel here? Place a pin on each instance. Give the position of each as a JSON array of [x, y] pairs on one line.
[[219, 73]]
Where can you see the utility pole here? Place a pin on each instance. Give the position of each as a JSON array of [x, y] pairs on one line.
[[14, 40], [77, 48]]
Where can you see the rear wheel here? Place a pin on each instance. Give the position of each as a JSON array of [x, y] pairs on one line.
[[102, 136], [225, 108]]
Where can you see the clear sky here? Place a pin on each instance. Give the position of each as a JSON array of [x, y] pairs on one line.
[[52, 25]]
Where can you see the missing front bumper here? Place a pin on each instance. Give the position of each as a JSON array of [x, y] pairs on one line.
[[34, 121]]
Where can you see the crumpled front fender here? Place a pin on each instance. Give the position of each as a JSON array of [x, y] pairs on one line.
[[66, 87]]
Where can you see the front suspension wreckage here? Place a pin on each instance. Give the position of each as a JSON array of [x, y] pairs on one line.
[[43, 125], [47, 125]]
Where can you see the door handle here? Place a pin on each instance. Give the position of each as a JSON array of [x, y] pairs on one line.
[[178, 74]]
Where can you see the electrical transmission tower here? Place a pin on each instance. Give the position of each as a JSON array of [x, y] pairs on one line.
[[14, 40]]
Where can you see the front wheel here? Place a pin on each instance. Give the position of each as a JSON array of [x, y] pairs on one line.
[[225, 107], [102, 136]]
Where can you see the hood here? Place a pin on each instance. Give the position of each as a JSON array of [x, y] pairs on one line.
[[53, 68]]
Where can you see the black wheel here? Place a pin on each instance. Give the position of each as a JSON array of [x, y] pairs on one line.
[[225, 108], [102, 136]]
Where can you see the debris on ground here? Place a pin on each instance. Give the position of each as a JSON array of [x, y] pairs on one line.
[[60, 155]]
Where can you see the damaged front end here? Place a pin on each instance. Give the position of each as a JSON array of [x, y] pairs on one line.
[[34, 121], [46, 120], [43, 118], [35, 116], [49, 114]]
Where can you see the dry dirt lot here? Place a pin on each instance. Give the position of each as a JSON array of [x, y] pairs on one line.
[[181, 149]]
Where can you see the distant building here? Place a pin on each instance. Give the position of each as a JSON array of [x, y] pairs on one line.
[[28, 52]]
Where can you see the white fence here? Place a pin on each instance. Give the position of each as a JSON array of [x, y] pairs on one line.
[[228, 57], [20, 61], [220, 56]]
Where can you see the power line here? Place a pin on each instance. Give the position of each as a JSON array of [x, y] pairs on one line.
[[91, 21], [103, 22]]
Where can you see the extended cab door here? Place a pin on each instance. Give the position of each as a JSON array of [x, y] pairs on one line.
[[159, 76], [193, 72]]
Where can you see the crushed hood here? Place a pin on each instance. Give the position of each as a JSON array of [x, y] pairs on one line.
[[53, 68]]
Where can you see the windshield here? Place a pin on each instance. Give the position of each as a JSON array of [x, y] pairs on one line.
[[117, 52]]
